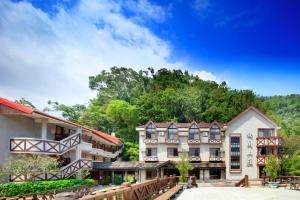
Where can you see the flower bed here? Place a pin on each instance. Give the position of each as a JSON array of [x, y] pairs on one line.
[[38, 187]]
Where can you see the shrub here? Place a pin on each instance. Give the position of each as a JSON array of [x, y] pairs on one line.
[[272, 166], [184, 167], [118, 179], [38, 187], [131, 179]]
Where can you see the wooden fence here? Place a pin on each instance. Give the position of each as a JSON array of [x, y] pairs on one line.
[[280, 179], [139, 191], [243, 182]]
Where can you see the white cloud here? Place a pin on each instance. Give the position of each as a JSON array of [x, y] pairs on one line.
[[205, 75], [43, 57]]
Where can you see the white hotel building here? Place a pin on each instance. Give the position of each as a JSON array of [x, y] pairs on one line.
[[216, 150]]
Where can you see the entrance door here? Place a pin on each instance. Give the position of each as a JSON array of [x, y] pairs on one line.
[[215, 174]]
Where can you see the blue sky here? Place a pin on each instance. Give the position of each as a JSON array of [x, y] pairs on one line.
[[49, 44]]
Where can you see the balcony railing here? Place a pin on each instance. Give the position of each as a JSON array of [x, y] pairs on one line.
[[194, 141], [172, 140], [194, 158], [264, 141], [261, 160], [215, 141], [152, 140], [37, 145], [98, 145], [215, 158], [151, 158]]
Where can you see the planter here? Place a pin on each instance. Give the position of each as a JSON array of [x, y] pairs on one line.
[[184, 185], [273, 184]]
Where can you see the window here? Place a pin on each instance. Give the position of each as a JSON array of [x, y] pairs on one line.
[[172, 132], [215, 152], [151, 152], [265, 132], [235, 151], [194, 133], [150, 131], [215, 132], [172, 152], [194, 152]]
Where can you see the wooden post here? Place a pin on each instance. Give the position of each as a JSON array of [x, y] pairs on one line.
[[246, 181], [127, 193]]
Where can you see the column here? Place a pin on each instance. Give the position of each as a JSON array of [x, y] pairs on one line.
[[125, 176], [44, 129], [77, 157], [112, 177]]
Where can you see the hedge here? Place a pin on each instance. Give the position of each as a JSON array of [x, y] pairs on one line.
[[38, 187]]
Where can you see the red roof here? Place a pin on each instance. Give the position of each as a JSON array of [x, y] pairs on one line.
[[110, 138], [28, 110], [16, 106]]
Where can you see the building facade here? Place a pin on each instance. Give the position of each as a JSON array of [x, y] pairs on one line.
[[28, 131], [216, 150]]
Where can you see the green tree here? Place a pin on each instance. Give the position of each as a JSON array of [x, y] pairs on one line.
[[71, 113], [184, 166], [272, 166], [25, 102], [29, 166]]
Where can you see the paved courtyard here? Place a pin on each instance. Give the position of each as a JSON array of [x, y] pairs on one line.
[[236, 193]]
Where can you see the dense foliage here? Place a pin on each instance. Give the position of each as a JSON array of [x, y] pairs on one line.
[[127, 98], [28, 166], [24, 188]]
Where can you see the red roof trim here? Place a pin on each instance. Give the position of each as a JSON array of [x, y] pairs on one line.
[[29, 110], [16, 106]]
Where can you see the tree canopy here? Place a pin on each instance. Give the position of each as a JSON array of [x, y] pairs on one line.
[[127, 98]]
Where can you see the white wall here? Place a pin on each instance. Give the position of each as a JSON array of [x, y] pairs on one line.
[[246, 124]]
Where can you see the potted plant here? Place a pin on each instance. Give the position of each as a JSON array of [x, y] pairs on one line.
[[184, 167], [272, 169]]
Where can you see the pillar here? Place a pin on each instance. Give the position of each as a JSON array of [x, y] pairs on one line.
[[112, 177], [125, 176], [77, 157], [44, 129]]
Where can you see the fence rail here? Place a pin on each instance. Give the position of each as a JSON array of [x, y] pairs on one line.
[[139, 191], [281, 179]]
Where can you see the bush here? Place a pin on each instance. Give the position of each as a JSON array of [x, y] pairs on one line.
[[118, 179], [38, 187], [131, 179]]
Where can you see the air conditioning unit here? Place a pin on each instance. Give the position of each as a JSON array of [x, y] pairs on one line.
[[161, 133]]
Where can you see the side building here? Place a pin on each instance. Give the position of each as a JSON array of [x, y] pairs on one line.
[[216, 150], [25, 130]]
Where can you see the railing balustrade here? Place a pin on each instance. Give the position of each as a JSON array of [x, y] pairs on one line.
[[145, 190], [243, 182], [37, 145], [195, 158], [264, 141], [215, 158], [151, 158]]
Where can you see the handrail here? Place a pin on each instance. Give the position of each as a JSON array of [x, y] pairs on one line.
[[37, 145], [243, 182], [148, 189], [281, 179]]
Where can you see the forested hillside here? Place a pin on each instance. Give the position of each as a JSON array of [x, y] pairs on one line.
[[286, 110], [127, 98]]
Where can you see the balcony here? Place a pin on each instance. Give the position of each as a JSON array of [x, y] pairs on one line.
[[215, 158], [194, 141], [268, 141], [151, 158], [194, 158]]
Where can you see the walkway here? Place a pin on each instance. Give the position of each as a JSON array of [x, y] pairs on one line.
[[236, 193]]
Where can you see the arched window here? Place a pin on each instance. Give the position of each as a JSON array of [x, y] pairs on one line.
[[150, 131], [215, 132], [194, 132], [172, 132]]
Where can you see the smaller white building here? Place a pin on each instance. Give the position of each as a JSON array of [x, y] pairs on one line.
[[216, 150]]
